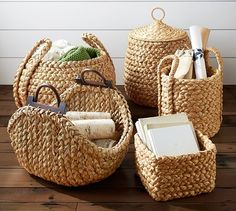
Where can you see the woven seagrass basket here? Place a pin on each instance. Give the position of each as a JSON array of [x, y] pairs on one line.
[[146, 46], [33, 71], [49, 146], [171, 177], [201, 99]]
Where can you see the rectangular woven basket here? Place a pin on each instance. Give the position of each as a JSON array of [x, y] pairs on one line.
[[171, 177]]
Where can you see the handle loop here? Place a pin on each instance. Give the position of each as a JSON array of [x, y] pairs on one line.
[[217, 55], [94, 42], [174, 67], [33, 100], [81, 79], [50, 87], [34, 64], [163, 13]]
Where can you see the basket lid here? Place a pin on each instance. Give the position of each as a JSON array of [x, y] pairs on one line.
[[158, 31]]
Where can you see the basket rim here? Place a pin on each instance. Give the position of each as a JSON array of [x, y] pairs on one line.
[[56, 63], [217, 72], [125, 133]]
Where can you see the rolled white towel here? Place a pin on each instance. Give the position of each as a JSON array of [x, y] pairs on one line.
[[59, 48]]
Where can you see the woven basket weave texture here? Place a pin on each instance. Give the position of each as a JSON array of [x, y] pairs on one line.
[[146, 47], [49, 146], [201, 99], [171, 177], [33, 71]]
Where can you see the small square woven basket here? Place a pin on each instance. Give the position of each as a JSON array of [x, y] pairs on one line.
[[172, 177]]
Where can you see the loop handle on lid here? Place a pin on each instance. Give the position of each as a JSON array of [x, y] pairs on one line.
[[163, 13]]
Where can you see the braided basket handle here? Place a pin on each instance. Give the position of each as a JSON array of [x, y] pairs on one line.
[[81, 80], [33, 100], [94, 42], [47, 45], [174, 67], [217, 55]]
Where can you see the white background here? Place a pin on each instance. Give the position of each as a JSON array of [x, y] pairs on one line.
[[22, 23]]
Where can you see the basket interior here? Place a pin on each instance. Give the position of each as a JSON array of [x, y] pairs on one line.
[[96, 99]]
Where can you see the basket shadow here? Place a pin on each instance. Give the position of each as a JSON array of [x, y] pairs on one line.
[[114, 192]]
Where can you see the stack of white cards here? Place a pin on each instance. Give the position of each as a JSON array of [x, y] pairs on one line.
[[170, 135]]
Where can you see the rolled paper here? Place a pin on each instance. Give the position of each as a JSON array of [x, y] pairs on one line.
[[76, 115], [198, 54], [95, 128], [185, 67], [105, 143]]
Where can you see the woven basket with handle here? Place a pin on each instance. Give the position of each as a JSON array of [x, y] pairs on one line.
[[49, 146], [171, 177], [146, 47], [33, 71], [201, 99]]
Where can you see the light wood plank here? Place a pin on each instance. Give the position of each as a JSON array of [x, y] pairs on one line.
[[114, 40], [133, 14]]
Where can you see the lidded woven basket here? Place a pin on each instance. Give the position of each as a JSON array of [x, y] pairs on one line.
[[171, 177], [201, 99], [49, 146], [146, 46], [33, 71]]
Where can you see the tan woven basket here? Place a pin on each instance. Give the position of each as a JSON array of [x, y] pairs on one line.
[[34, 71], [146, 46], [201, 99], [171, 177], [48, 145]]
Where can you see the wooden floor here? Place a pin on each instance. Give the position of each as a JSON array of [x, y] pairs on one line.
[[123, 190]]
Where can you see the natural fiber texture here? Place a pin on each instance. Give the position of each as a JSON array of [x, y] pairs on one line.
[[171, 177], [158, 31], [34, 71], [49, 146], [201, 99], [146, 46]]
